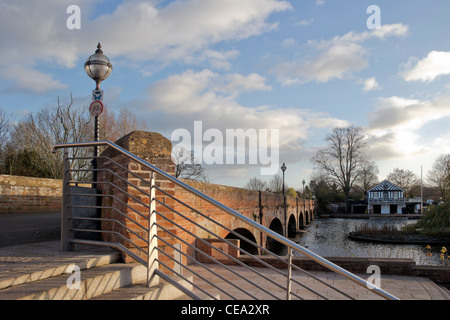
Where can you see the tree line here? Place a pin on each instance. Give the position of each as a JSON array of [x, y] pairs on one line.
[[343, 172], [26, 145], [342, 169]]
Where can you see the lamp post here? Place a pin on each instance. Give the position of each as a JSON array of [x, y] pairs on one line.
[[98, 67], [283, 168], [303, 192]]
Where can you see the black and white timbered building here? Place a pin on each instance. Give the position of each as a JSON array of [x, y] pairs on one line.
[[386, 198]]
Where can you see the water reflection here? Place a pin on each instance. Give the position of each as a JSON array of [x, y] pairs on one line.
[[328, 238]]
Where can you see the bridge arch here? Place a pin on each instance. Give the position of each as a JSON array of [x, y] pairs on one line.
[[301, 221], [271, 244], [244, 245], [291, 227], [307, 218]]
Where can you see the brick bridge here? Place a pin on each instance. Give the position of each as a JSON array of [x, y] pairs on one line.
[[263, 207]]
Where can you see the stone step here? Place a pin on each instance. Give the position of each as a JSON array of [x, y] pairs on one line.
[[25, 269], [162, 291], [93, 282]]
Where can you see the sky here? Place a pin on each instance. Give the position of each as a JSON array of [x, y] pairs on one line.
[[297, 68]]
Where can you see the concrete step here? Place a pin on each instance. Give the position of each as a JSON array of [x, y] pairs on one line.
[[41, 272], [25, 269], [93, 282], [162, 291]]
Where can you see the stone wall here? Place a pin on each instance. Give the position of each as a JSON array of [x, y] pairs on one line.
[[26, 194]]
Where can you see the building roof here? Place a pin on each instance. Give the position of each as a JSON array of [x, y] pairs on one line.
[[386, 185]]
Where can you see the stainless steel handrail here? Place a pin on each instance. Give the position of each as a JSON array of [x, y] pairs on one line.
[[285, 241], [234, 259]]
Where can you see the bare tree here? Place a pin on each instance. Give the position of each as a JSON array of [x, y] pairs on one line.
[[185, 166], [256, 184], [63, 123], [276, 184], [5, 129], [342, 158], [405, 179], [114, 127], [439, 175], [367, 175], [50, 126]]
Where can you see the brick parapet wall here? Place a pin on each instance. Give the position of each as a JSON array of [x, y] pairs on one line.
[[261, 207], [155, 149], [26, 194]]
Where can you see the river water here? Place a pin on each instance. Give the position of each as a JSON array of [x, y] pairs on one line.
[[328, 238]]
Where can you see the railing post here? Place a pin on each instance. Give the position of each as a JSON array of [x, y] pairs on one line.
[[289, 274], [152, 262], [66, 210]]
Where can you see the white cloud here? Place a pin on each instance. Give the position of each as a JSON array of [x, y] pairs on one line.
[[219, 59], [393, 126], [436, 64], [253, 82], [304, 23], [183, 28], [407, 114], [139, 31], [288, 43], [211, 97], [338, 58], [371, 84], [28, 79], [320, 2]]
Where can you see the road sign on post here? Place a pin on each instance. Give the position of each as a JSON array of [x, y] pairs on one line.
[[97, 95], [96, 108]]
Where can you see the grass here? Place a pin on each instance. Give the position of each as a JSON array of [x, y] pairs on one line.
[[378, 231]]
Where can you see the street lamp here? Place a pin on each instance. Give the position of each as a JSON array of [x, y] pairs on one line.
[[98, 67], [283, 168], [303, 192]]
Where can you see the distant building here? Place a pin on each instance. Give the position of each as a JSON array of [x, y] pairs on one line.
[[386, 198]]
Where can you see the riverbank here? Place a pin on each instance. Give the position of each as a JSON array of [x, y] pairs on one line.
[[368, 216], [398, 238]]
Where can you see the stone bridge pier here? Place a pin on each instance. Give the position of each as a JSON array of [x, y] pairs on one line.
[[263, 207]]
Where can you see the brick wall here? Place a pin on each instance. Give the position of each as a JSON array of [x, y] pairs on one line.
[[26, 194], [155, 149], [260, 207]]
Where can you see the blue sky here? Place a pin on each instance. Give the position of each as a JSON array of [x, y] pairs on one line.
[[302, 67]]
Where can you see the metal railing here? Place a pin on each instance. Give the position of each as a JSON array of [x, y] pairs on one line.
[[181, 253]]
